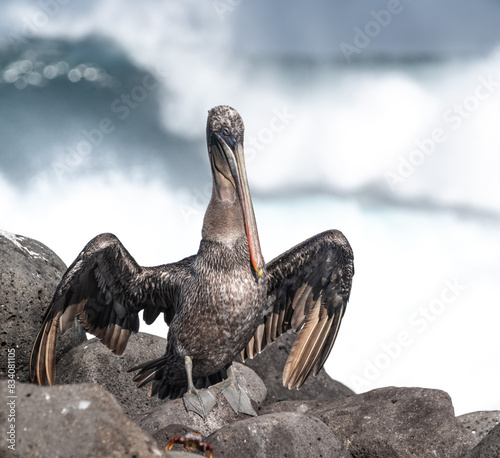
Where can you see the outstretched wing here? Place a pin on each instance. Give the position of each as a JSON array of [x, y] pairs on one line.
[[105, 289], [308, 290]]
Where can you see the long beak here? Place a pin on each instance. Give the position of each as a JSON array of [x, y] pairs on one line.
[[236, 162]]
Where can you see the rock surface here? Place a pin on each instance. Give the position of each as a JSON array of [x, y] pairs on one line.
[[288, 435], [269, 367], [307, 407], [489, 447], [93, 362], [173, 412], [390, 422], [480, 423], [174, 454], [397, 422], [29, 275], [71, 421]]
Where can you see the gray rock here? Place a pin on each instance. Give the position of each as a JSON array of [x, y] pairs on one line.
[[175, 454], [277, 435], [480, 423], [73, 421], [173, 412], [269, 367], [29, 274], [93, 362], [302, 407], [489, 447], [397, 422]]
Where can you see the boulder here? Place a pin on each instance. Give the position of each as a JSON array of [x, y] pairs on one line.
[[489, 447], [72, 420], [277, 435], [397, 422], [302, 407], [29, 275], [269, 367], [174, 412], [93, 362], [480, 423]]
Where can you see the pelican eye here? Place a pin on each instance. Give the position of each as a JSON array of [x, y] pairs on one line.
[[226, 131]]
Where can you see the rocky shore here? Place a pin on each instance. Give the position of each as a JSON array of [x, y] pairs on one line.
[[96, 411]]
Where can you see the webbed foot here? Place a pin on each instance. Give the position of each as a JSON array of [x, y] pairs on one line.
[[202, 401], [235, 396], [199, 401]]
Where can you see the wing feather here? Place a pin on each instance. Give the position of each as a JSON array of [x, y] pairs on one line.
[[308, 290], [105, 289], [328, 345]]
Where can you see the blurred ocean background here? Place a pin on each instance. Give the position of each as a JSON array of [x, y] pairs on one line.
[[378, 118]]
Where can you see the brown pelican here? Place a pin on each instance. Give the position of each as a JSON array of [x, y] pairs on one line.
[[219, 303]]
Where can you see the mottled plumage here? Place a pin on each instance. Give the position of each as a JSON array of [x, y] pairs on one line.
[[219, 303]]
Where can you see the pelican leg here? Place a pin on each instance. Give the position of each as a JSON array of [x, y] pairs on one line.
[[235, 396], [200, 402]]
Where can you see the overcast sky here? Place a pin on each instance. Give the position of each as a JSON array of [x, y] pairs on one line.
[[419, 26]]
